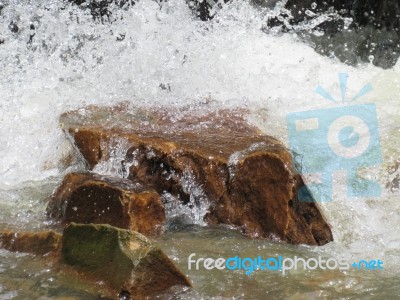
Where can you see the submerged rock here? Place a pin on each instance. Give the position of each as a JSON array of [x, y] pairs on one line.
[[126, 261], [38, 243], [215, 160], [90, 198]]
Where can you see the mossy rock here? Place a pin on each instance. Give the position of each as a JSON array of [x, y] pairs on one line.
[[125, 260]]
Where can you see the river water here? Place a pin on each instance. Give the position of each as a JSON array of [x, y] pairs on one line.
[[60, 59]]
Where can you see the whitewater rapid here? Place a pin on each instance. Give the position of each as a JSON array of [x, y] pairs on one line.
[[163, 55]]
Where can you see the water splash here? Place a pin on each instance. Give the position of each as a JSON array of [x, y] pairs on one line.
[[164, 56], [115, 163]]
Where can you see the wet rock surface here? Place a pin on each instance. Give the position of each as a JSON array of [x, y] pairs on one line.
[[126, 261], [90, 198], [39, 243], [213, 159]]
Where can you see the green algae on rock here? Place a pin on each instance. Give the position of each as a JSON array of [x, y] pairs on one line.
[[125, 260]]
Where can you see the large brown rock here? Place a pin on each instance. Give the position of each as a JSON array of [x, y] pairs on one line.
[[91, 198], [214, 159]]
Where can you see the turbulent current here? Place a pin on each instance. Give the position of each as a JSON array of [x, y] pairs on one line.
[[54, 57]]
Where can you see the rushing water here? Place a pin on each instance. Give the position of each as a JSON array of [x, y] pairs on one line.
[[153, 54]]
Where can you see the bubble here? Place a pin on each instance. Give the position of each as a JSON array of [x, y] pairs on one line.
[[371, 58], [313, 5]]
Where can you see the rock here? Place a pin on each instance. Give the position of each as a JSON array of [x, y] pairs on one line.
[[39, 243], [90, 198], [214, 160], [126, 261]]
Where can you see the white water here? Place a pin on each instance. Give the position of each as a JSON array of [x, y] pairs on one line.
[[229, 60]]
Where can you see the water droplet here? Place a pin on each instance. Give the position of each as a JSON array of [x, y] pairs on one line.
[[371, 58], [310, 13]]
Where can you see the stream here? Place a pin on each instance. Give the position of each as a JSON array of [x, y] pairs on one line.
[[160, 54]]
